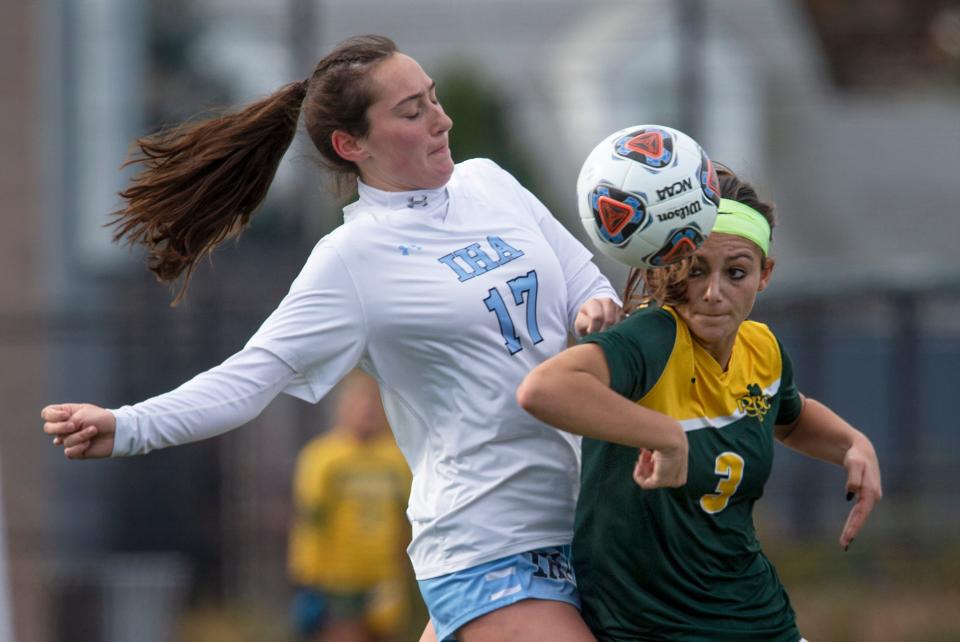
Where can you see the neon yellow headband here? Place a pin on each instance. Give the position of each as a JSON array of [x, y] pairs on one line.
[[733, 217]]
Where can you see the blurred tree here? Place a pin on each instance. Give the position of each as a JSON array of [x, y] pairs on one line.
[[481, 127], [888, 43], [178, 89], [183, 87]]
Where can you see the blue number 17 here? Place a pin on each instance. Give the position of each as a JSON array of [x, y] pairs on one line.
[[526, 284]]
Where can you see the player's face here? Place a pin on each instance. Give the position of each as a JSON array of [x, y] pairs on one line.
[[406, 147], [726, 274]]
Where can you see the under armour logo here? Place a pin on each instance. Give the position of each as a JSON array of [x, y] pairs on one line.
[[417, 201]]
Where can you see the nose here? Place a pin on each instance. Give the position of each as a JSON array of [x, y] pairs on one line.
[[442, 123], [712, 292]]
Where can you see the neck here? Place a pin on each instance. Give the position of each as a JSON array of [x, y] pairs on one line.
[[415, 200], [721, 351]]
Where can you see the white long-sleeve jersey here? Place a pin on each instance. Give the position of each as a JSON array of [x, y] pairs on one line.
[[449, 298]]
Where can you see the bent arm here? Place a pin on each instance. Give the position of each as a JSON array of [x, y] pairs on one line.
[[821, 433], [572, 392], [211, 403]]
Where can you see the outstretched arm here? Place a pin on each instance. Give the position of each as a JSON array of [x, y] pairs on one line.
[[821, 433], [572, 392], [211, 403], [305, 347]]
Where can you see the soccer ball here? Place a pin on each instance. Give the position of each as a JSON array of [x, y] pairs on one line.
[[648, 195]]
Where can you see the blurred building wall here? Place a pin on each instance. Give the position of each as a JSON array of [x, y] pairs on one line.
[[569, 72], [25, 487]]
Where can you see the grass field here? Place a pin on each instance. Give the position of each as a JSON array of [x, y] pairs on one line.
[[889, 593], [869, 594]]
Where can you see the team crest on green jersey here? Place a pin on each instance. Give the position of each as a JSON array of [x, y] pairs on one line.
[[755, 403]]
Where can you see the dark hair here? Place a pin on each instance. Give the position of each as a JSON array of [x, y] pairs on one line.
[[202, 181], [668, 285]]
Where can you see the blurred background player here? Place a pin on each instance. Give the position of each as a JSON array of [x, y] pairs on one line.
[[349, 532]]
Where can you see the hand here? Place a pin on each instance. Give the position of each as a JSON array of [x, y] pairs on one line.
[[85, 431], [596, 315], [661, 468], [863, 480]]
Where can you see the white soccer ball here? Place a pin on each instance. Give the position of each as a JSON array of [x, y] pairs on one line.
[[648, 195]]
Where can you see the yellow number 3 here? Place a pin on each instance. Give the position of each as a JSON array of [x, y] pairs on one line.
[[729, 466]]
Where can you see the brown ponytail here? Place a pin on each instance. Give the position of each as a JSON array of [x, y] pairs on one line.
[[202, 181]]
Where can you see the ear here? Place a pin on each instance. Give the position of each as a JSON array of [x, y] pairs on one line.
[[348, 146], [766, 272]]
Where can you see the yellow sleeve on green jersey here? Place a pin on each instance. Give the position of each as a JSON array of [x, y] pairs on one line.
[[637, 350]]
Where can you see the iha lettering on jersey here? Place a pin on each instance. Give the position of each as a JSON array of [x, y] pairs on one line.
[[474, 260]]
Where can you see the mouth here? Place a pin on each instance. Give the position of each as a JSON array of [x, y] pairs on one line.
[[713, 316]]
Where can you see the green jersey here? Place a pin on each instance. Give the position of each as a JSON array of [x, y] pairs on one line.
[[684, 563]]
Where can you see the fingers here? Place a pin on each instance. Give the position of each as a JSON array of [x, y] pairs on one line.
[[857, 518], [596, 315], [651, 483], [60, 419], [79, 437], [644, 468], [658, 480], [863, 481], [59, 412], [854, 479], [59, 428], [612, 313], [76, 452], [656, 470], [639, 475], [586, 321], [868, 493]]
